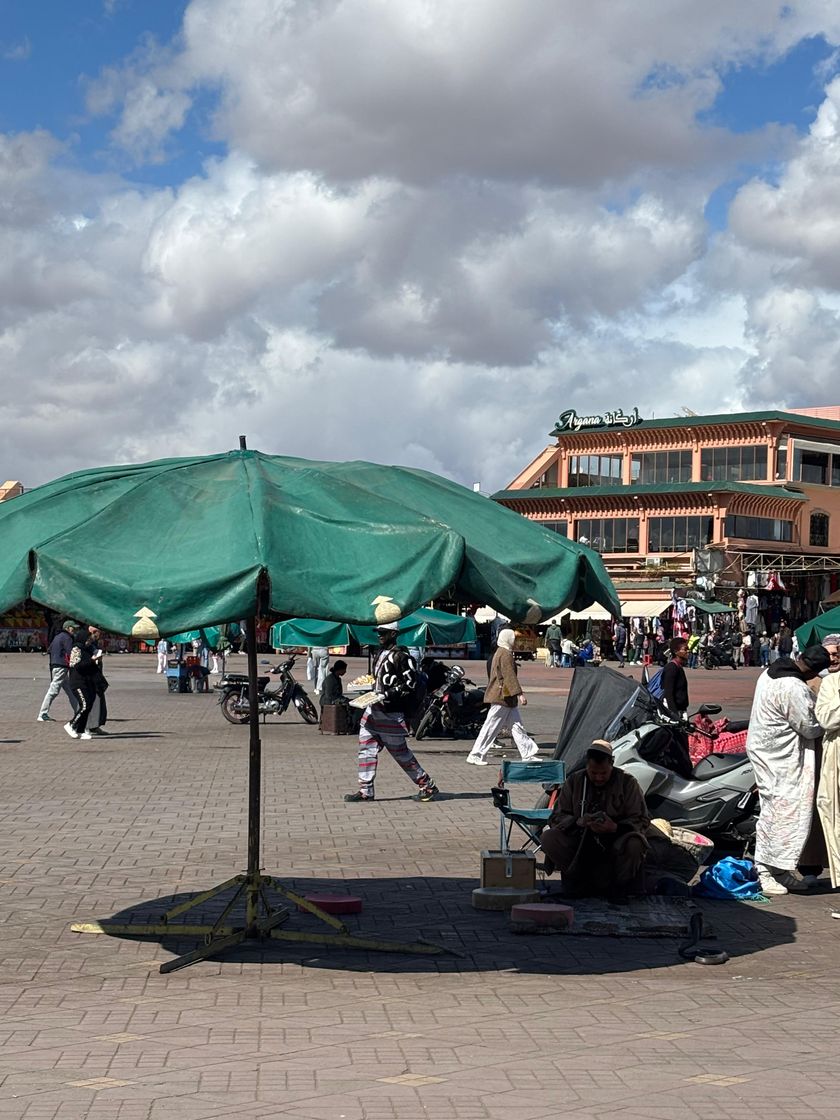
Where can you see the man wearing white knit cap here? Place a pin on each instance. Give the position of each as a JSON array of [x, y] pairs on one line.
[[504, 695]]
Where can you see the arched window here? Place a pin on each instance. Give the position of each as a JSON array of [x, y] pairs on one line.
[[819, 530]]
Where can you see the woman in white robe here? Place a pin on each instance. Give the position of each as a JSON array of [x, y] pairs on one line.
[[828, 795], [780, 744]]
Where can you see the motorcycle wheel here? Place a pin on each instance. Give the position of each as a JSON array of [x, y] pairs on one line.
[[426, 724], [306, 709], [231, 708], [707, 663]]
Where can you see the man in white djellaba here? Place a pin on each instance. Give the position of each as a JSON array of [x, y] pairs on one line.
[[780, 744]]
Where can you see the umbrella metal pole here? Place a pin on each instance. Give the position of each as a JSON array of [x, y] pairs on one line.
[[252, 888]]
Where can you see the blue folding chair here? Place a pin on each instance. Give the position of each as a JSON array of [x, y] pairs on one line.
[[548, 774]]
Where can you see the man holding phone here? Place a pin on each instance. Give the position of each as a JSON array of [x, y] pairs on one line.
[[595, 836]]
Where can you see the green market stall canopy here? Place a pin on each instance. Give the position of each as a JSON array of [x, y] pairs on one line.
[[425, 627], [812, 633]]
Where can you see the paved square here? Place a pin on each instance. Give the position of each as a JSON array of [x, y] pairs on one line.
[[513, 1027]]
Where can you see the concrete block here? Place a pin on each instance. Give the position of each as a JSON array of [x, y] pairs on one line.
[[501, 898], [550, 915], [335, 903]]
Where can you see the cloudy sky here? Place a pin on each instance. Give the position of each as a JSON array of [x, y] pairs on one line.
[[408, 230]]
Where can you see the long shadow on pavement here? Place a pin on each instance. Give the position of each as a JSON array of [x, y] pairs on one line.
[[438, 910]]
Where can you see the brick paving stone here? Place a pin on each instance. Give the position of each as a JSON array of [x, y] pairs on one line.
[[513, 1027]]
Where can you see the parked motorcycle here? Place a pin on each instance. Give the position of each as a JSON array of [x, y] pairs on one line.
[[717, 654], [452, 709], [718, 797], [233, 699]]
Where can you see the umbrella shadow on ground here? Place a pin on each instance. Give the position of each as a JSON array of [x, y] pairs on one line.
[[139, 735], [442, 796], [438, 911]]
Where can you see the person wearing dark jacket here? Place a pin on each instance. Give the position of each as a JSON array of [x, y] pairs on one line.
[[83, 674], [59, 653], [332, 691], [674, 680], [99, 710]]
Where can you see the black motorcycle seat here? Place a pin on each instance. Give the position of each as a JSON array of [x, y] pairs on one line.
[[242, 678], [714, 764]]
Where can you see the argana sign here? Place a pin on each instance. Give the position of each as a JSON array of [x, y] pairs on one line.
[[570, 421]]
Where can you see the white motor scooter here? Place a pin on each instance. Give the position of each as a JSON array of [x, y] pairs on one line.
[[717, 797]]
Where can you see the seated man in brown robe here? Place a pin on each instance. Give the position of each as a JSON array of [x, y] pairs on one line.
[[595, 836]]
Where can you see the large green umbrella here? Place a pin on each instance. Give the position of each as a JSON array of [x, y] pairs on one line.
[[183, 543], [180, 544], [811, 633], [425, 627]]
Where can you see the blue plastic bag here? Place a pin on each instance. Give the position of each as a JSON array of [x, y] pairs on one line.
[[730, 878]]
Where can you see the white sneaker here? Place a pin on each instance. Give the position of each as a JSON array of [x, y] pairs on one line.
[[531, 755], [770, 885], [476, 760], [44, 719], [791, 882], [73, 734], [85, 735]]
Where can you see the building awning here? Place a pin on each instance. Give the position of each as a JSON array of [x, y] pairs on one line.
[[710, 608], [594, 612], [644, 608]]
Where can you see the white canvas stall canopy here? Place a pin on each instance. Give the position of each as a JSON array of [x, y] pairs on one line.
[[594, 612], [644, 608]]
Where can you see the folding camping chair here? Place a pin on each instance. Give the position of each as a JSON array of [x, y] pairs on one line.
[[548, 774]]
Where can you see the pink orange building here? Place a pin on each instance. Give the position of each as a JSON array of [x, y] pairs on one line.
[[731, 501]]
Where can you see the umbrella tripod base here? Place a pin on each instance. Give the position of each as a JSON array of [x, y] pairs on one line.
[[221, 936]]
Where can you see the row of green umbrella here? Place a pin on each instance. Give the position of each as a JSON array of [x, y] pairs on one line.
[[424, 627]]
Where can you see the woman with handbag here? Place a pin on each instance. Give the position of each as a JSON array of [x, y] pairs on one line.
[[503, 694]]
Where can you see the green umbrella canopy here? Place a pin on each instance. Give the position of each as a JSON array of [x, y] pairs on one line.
[[811, 633], [209, 634], [420, 628], [178, 544]]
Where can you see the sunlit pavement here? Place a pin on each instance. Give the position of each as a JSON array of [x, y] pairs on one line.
[[513, 1027]]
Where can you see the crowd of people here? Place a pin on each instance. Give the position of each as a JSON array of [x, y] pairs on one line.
[[596, 834]]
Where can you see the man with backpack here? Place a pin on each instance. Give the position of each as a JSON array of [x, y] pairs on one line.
[[384, 724]]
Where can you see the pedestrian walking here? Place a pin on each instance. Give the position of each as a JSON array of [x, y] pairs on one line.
[[162, 655], [553, 641], [83, 670], [504, 695], [59, 653], [619, 642], [638, 645], [319, 658], [384, 726], [99, 709]]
